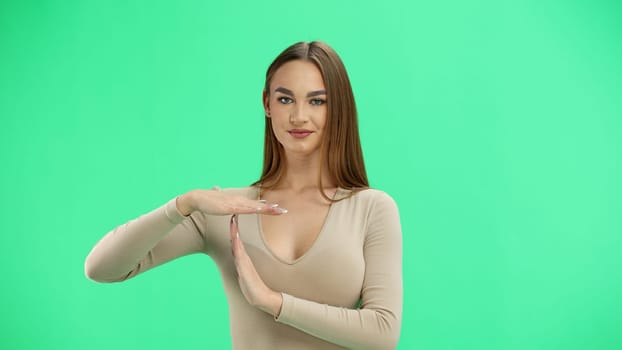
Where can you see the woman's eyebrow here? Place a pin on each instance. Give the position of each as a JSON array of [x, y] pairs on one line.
[[316, 93], [284, 90], [290, 93]]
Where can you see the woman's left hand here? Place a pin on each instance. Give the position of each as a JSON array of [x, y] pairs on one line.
[[253, 287]]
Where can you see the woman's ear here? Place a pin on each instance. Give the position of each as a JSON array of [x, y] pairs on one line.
[[266, 103]]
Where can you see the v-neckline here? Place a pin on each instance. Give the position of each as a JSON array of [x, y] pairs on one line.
[[315, 241]]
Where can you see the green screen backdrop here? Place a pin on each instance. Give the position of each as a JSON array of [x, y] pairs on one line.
[[495, 125]]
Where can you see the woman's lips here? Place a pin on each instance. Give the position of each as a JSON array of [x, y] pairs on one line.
[[300, 134]]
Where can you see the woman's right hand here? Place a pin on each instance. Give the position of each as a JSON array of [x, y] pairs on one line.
[[216, 202]]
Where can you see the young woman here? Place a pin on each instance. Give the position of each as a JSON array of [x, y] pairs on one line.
[[322, 269]]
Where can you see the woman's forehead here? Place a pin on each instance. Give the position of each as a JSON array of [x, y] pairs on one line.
[[298, 76]]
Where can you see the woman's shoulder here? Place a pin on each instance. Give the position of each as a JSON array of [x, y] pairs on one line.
[[373, 196], [374, 206]]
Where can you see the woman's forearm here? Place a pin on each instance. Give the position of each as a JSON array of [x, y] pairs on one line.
[[125, 248]]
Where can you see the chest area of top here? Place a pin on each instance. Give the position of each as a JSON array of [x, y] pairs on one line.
[[290, 236]]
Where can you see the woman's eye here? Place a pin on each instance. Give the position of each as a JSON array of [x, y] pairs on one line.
[[317, 101], [285, 100]]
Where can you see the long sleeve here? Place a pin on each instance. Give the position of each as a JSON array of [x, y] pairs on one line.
[[145, 242], [376, 325]]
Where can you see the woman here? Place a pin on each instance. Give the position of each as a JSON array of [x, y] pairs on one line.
[[322, 269]]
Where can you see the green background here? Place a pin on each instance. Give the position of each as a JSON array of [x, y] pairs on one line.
[[495, 125]]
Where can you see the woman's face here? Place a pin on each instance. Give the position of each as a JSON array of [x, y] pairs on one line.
[[296, 104]]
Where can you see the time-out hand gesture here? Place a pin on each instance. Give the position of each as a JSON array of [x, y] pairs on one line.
[[216, 202]]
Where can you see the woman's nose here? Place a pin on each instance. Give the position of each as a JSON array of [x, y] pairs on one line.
[[298, 115]]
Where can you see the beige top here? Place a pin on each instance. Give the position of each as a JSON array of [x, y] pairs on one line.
[[344, 292]]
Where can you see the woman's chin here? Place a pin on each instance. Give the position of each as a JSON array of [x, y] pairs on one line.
[[299, 151]]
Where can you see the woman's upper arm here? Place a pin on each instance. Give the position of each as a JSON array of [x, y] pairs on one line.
[[383, 285]]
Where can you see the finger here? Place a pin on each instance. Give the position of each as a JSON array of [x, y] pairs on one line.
[[237, 247], [242, 205], [242, 261], [240, 250], [246, 209], [246, 206], [272, 209], [264, 207], [232, 226], [233, 230]]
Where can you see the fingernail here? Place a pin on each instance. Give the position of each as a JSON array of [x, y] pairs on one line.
[[262, 200], [274, 205], [283, 210]]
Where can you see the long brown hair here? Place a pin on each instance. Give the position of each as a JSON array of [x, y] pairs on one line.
[[341, 145]]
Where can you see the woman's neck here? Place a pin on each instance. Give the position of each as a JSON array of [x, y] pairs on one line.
[[301, 174]]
